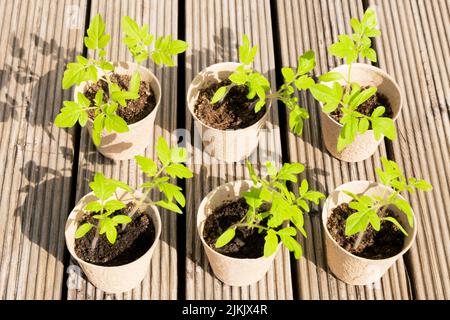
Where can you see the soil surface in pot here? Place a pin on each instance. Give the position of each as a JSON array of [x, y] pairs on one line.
[[375, 244], [235, 111], [367, 108], [135, 110], [131, 243], [247, 243]]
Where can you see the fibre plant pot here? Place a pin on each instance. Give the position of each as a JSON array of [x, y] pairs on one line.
[[365, 145], [231, 145], [231, 271], [348, 267], [126, 145], [114, 279]]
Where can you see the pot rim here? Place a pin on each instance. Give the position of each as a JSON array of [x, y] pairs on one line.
[[236, 64], [327, 232], [145, 69], [200, 225], [92, 265], [373, 68]]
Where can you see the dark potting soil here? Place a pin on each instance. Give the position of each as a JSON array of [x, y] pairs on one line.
[[235, 111], [247, 243], [375, 245], [131, 243], [367, 108], [135, 110]]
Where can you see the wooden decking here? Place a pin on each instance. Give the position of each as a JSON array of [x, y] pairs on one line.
[[45, 170]]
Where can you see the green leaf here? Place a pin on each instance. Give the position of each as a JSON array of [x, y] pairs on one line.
[[111, 234], [172, 191], [306, 62], [423, 185], [363, 125], [378, 112], [177, 170], [271, 243], [147, 165], [135, 82], [75, 74], [288, 74], [362, 97], [253, 197], [370, 54], [356, 222], [251, 172], [122, 219], [304, 82], [225, 238], [169, 206], [296, 117], [344, 48], [326, 95], [397, 224], [96, 38], [82, 230], [331, 76], [101, 187], [115, 123], [271, 169], [114, 205], [178, 155], [220, 93], [93, 206], [163, 151], [247, 53], [131, 28], [405, 207], [303, 187], [292, 245], [238, 78], [314, 196], [289, 170], [384, 126]]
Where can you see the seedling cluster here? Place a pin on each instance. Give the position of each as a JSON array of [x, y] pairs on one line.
[[370, 209], [258, 85], [170, 166], [349, 98], [92, 70], [285, 207]]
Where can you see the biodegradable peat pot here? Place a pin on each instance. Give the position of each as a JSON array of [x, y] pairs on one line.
[[226, 145], [126, 145], [365, 145], [231, 271], [348, 267], [114, 279]]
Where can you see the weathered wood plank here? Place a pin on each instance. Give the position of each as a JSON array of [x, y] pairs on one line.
[[318, 27], [37, 38], [214, 30], [414, 49], [161, 282]]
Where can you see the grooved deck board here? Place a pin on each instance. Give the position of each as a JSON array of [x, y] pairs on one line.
[[414, 49], [37, 38], [319, 26], [214, 30], [161, 281]]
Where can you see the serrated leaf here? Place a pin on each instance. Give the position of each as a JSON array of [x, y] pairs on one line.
[[147, 165], [306, 62], [101, 188], [293, 246], [178, 170], [169, 206], [289, 170], [172, 191], [356, 222], [384, 126], [93, 206], [271, 169], [225, 238]]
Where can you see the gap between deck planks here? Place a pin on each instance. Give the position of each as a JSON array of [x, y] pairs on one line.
[[214, 30], [37, 39], [414, 49], [321, 23], [162, 279]]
